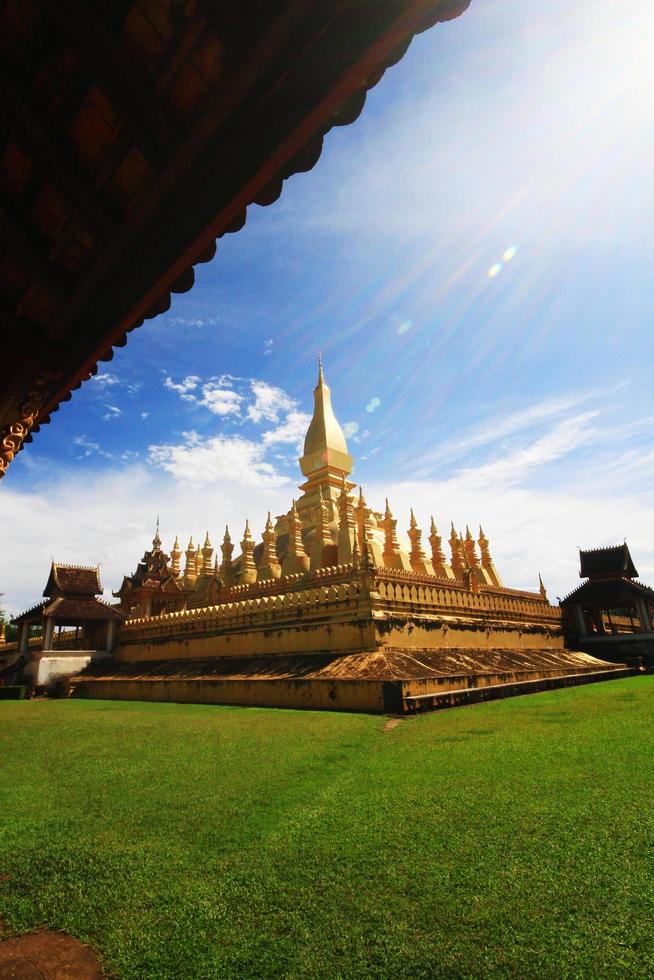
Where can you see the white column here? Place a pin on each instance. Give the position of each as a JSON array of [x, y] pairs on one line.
[[47, 634]]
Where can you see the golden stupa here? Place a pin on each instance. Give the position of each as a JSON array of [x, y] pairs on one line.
[[331, 610]]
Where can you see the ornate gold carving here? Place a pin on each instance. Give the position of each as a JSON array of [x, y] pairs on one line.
[[14, 435]]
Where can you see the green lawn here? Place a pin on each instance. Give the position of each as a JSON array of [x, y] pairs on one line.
[[508, 839]]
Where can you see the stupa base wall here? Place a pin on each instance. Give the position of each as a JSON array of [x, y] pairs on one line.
[[395, 681], [338, 694]]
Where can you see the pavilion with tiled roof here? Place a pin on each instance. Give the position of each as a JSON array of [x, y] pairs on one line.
[[610, 609], [76, 626]]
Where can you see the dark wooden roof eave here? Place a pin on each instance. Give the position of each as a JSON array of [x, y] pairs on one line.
[[297, 92]]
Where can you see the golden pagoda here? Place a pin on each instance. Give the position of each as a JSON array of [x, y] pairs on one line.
[[330, 609]]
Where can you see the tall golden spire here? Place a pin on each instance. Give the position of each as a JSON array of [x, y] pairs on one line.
[[156, 541], [325, 449], [269, 566], [248, 570], [198, 560]]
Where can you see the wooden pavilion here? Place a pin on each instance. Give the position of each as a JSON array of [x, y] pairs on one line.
[[76, 626], [610, 614]]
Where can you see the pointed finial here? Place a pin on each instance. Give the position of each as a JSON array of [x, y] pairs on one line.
[[387, 512], [413, 522], [190, 543], [207, 542], [227, 537], [156, 541], [432, 528], [269, 523], [321, 378], [176, 545]]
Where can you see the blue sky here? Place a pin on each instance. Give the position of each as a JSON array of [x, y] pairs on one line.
[[473, 258]]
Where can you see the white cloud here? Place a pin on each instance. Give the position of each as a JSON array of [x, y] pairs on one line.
[[228, 459], [516, 466], [350, 429], [105, 380], [292, 430], [183, 388], [112, 412], [219, 400], [109, 518], [269, 402]]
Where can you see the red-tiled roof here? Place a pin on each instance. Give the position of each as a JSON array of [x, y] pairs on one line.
[[75, 580], [81, 610]]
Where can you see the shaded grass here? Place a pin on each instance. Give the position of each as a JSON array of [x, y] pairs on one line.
[[508, 839]]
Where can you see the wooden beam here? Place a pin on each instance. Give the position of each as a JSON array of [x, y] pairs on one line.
[[27, 346], [137, 105], [30, 256], [22, 124], [292, 98]]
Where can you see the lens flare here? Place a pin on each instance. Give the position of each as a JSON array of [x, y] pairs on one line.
[[509, 253], [494, 270], [404, 327], [373, 404]]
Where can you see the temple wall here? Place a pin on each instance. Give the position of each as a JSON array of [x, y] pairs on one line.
[[419, 633], [329, 618], [346, 613]]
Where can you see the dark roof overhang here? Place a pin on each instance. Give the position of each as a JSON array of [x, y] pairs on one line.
[[124, 138]]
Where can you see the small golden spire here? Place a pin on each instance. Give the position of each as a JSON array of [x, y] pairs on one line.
[[269, 566], [296, 559], [392, 556], [207, 556], [156, 541], [175, 556], [457, 554], [226, 570], [419, 562], [321, 378], [441, 568], [248, 569]]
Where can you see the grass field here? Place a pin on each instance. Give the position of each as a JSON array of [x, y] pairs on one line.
[[508, 839]]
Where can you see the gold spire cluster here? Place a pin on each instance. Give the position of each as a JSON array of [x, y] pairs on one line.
[[325, 527]]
